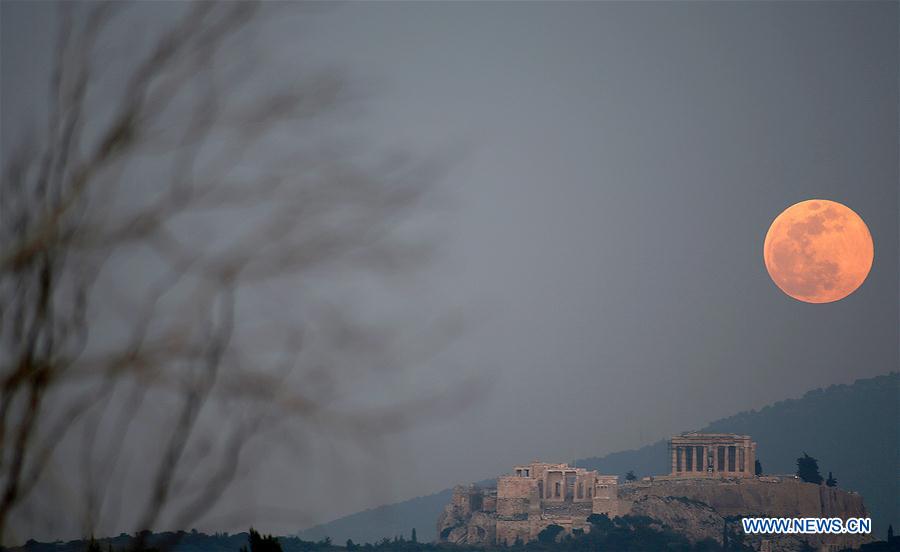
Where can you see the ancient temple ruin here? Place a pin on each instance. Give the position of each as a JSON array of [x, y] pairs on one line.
[[525, 502], [536, 495], [712, 455]]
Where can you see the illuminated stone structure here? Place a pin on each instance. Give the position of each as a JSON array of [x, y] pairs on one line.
[[712, 455], [525, 502], [537, 495]]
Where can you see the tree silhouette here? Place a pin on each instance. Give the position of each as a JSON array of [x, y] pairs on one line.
[[548, 534], [600, 522], [260, 543], [757, 467], [120, 288], [831, 481], [808, 469], [725, 544], [630, 476]]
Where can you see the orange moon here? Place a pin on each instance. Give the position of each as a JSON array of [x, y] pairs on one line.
[[818, 251]]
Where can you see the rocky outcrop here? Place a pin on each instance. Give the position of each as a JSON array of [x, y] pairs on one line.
[[457, 527], [770, 496], [697, 521], [699, 509]]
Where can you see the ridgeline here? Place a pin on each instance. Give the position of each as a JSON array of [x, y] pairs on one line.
[[851, 429]]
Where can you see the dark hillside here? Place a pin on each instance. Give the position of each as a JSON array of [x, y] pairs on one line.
[[851, 429]]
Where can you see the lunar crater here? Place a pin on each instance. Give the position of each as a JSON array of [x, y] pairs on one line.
[[818, 251]]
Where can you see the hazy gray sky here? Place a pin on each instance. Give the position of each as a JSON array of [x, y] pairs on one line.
[[602, 235]]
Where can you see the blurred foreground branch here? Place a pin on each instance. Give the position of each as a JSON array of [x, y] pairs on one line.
[[128, 239]]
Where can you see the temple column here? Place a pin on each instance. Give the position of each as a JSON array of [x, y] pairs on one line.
[[674, 458], [752, 460]]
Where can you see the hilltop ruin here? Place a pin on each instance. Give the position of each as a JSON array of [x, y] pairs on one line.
[[711, 483]]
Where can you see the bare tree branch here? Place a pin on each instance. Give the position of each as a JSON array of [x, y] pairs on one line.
[[70, 214]]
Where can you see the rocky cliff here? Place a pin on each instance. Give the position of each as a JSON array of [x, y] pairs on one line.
[[770, 496], [458, 528], [700, 509], [704, 509]]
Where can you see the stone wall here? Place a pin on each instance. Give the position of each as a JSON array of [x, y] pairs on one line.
[[517, 509], [514, 487], [608, 506], [779, 497], [490, 503], [512, 508], [701, 509], [508, 531], [467, 499]]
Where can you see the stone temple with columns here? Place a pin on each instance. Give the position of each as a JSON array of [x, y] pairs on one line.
[[721, 455], [536, 495], [527, 501]]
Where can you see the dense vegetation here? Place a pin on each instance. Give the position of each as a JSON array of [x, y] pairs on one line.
[[620, 534]]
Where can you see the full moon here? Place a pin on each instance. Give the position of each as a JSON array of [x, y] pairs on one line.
[[818, 251]]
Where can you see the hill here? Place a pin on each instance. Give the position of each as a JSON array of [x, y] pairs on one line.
[[851, 429]]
